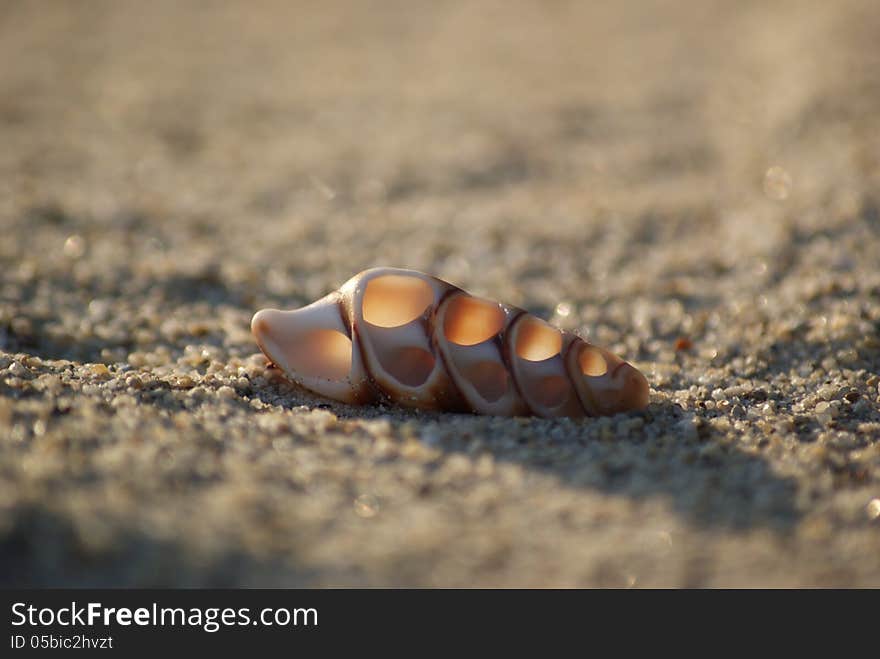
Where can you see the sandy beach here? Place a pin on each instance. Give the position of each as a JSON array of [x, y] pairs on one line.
[[695, 185]]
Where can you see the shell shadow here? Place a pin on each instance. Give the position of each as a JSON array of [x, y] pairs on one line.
[[666, 452]]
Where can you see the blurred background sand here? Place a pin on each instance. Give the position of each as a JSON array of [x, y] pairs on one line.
[[695, 185]]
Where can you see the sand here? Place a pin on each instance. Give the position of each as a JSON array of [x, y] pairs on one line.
[[695, 185]]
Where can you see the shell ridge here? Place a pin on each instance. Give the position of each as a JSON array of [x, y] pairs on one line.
[[346, 311], [579, 390], [440, 355], [506, 351], [436, 334]]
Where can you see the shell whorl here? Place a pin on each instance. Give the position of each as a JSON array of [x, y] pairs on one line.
[[415, 340]]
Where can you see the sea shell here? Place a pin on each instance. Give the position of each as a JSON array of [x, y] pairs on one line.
[[408, 338]]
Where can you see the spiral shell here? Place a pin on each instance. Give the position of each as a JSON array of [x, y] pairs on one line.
[[415, 340]]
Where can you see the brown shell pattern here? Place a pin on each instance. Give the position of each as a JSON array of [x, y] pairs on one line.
[[408, 338]]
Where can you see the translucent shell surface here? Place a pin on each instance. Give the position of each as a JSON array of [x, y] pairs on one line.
[[415, 340]]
